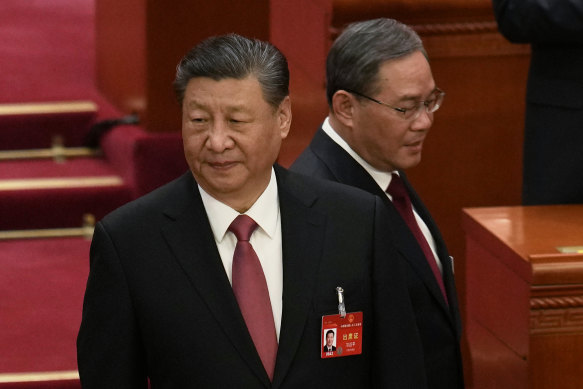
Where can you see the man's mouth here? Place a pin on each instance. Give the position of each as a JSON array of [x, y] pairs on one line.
[[222, 164]]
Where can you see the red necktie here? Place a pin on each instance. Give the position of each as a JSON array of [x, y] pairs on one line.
[[250, 289], [402, 202]]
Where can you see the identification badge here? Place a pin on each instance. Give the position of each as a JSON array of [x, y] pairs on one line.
[[341, 336]]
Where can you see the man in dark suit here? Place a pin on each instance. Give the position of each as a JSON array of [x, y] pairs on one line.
[[329, 346], [178, 294], [382, 99], [553, 129]]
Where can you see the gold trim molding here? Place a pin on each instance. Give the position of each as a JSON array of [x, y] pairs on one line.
[[65, 375], [85, 231], [55, 153], [456, 28], [59, 183], [556, 314], [552, 321], [47, 108], [556, 302]]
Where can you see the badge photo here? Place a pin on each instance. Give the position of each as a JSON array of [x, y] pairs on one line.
[[341, 336]]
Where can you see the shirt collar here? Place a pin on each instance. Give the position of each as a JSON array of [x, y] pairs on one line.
[[265, 211], [383, 179]]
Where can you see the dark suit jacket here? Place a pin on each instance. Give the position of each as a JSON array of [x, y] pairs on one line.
[[159, 304], [553, 136], [439, 324]]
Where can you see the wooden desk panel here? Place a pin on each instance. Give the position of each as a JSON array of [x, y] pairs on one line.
[[524, 297], [497, 362]]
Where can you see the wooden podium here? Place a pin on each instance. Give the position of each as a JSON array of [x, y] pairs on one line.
[[524, 288]]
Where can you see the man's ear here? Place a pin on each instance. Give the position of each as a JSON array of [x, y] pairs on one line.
[[284, 117], [343, 107]]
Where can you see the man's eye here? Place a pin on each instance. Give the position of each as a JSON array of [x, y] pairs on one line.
[[237, 121]]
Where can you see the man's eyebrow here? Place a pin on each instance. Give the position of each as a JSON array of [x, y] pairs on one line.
[[198, 105], [416, 97], [237, 108], [194, 104]]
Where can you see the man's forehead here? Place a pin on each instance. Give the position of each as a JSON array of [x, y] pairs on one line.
[[247, 78], [201, 91]]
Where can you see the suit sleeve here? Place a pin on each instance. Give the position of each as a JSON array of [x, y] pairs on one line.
[[109, 354], [540, 21], [398, 353]]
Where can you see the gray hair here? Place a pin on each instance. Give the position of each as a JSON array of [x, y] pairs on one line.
[[355, 56], [234, 56]]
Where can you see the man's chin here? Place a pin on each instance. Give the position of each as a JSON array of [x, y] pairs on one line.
[[410, 161]]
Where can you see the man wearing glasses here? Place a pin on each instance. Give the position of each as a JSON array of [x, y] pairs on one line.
[[382, 98]]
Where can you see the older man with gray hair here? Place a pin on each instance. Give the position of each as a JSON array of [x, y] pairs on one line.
[[227, 276]]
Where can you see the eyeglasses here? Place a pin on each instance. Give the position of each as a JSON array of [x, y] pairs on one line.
[[431, 105]]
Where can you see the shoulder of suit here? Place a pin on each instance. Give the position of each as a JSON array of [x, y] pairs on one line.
[[153, 202], [322, 188]]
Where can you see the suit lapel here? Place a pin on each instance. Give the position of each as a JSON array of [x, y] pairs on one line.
[[341, 165], [347, 171], [302, 234], [418, 259], [190, 238], [442, 252]]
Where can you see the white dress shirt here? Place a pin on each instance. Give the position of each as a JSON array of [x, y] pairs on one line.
[[383, 179], [266, 239]]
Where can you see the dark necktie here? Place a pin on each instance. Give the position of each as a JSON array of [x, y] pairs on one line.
[[402, 202], [251, 291]]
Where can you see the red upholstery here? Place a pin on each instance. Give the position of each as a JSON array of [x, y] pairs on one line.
[[145, 160], [19, 132]]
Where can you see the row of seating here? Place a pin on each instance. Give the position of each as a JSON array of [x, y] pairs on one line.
[[52, 189]]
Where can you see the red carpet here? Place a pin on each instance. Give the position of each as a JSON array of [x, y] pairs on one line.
[[47, 50], [41, 284]]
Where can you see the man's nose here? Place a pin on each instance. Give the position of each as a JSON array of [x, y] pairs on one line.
[[424, 121], [219, 138]]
